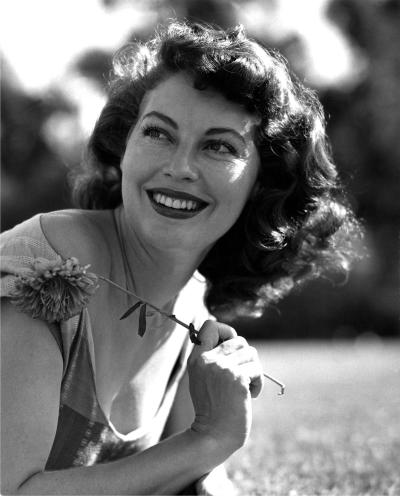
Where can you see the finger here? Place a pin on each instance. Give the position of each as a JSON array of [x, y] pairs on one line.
[[253, 371], [240, 356], [234, 344], [212, 332]]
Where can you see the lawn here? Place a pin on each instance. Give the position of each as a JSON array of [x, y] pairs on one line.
[[336, 431]]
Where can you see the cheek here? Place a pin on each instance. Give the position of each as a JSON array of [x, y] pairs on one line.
[[135, 163], [238, 172], [241, 184], [132, 176]]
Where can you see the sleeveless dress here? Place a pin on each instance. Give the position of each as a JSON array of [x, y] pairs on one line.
[[84, 435]]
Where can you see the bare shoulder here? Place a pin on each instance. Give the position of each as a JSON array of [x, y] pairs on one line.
[[85, 234], [24, 336]]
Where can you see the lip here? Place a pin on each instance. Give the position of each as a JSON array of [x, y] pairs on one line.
[[179, 195], [171, 212]]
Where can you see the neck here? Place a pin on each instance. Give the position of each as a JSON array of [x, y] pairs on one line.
[[158, 274]]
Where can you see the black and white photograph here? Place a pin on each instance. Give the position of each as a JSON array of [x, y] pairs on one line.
[[200, 247]]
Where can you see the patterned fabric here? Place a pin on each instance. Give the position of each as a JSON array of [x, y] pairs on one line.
[[84, 435]]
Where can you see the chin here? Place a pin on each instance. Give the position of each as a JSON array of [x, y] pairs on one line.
[[175, 240]]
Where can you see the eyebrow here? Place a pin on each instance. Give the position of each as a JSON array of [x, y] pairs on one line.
[[220, 130], [163, 117], [209, 132]]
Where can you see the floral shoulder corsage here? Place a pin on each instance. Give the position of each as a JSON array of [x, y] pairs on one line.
[[54, 290]]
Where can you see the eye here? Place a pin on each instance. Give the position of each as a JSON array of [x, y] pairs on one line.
[[221, 147], [155, 133]]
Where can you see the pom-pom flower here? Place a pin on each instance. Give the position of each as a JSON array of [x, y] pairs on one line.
[[54, 290]]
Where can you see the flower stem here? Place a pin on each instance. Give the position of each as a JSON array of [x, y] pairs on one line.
[[183, 324], [280, 384], [169, 316]]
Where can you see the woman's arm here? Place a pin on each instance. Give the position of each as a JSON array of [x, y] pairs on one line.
[[31, 376], [216, 482], [31, 379], [32, 372]]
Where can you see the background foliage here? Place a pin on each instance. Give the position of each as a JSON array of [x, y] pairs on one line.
[[53, 75]]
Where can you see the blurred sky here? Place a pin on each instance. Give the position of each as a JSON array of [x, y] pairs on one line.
[[42, 43], [41, 46]]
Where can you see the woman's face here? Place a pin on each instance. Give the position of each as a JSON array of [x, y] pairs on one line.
[[189, 166]]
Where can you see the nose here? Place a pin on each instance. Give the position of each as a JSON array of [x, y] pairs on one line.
[[181, 166]]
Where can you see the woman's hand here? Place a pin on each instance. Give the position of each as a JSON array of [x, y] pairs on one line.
[[224, 373]]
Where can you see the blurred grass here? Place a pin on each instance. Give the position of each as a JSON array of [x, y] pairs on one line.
[[336, 431]]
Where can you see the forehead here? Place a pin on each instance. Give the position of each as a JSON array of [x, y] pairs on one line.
[[178, 99]]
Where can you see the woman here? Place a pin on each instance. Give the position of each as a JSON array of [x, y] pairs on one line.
[[207, 157]]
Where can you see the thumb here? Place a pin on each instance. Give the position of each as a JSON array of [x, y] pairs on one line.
[[212, 333]]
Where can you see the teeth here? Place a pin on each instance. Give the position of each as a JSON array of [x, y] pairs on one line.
[[175, 203]]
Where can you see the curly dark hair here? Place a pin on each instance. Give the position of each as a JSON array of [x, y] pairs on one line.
[[297, 224]]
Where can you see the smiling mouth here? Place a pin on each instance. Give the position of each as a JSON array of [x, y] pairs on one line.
[[175, 204]]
